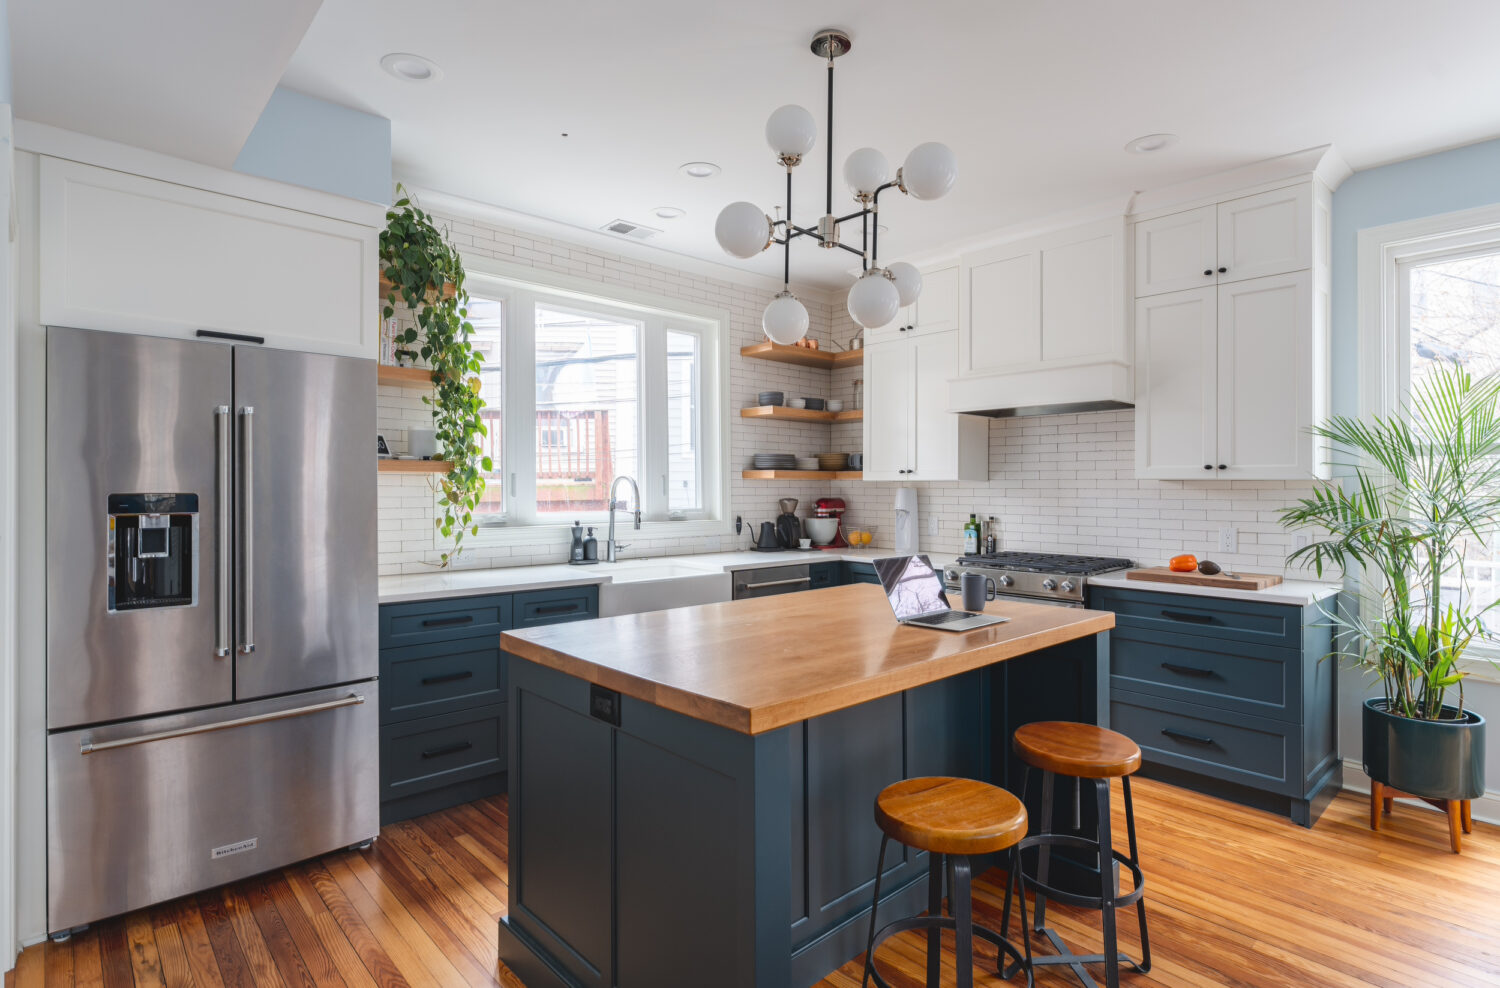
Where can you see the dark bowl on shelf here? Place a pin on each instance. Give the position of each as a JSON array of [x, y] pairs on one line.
[[772, 397], [814, 404]]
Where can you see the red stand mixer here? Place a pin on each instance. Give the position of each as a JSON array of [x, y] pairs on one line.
[[832, 507]]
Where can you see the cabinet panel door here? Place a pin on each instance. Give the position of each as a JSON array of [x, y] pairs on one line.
[[888, 410], [1082, 303], [1174, 384], [934, 429], [1003, 320], [1172, 252], [1265, 378], [936, 309], [1264, 234]]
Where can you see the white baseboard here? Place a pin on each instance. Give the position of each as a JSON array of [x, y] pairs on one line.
[[1486, 808]]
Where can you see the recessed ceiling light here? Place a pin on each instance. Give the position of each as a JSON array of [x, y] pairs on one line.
[[700, 169], [410, 68], [668, 212], [1150, 143]]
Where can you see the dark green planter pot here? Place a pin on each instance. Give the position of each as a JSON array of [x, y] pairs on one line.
[[1436, 759]]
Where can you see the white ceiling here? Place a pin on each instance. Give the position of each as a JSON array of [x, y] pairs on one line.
[[183, 77]]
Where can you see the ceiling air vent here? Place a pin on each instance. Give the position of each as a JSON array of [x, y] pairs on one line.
[[625, 228]]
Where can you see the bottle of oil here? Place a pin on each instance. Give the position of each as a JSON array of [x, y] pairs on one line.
[[971, 536]]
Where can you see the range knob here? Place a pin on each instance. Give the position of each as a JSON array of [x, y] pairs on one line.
[[1049, 584], [1067, 586], [1005, 581]]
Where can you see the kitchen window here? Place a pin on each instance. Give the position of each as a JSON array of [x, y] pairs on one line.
[[1429, 294], [582, 387]]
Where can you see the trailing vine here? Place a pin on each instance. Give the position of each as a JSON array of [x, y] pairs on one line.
[[419, 264]]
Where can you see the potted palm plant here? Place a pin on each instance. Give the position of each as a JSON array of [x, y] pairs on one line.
[[1424, 491]]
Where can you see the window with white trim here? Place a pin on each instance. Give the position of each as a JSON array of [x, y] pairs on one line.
[[582, 388]]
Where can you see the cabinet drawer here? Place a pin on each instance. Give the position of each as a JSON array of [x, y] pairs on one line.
[[1258, 680], [1237, 620], [860, 573], [823, 575], [1251, 751], [443, 620], [537, 607], [423, 680], [432, 752]]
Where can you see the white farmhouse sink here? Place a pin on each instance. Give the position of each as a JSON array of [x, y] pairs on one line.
[[639, 585]]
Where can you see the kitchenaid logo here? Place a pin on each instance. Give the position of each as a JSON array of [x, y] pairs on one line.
[[236, 848]]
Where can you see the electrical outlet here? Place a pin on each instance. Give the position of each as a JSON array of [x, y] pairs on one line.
[[1299, 541], [1229, 539], [932, 524]]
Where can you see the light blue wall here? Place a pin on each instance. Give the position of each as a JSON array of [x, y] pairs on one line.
[[1436, 183], [320, 145]]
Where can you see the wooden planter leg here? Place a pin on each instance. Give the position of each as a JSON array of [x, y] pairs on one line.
[[1468, 818], [1375, 803], [1455, 824]]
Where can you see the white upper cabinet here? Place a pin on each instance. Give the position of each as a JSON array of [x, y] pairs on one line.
[[130, 254], [908, 432], [1176, 252], [1269, 233], [1235, 240], [1231, 375], [934, 311], [1176, 348], [1003, 320]]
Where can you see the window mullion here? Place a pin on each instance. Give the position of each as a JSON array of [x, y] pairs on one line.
[[653, 477], [520, 410]]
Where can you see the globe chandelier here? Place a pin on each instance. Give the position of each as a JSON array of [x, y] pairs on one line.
[[743, 229]]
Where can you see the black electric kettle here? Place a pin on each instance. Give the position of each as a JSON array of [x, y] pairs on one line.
[[768, 540]]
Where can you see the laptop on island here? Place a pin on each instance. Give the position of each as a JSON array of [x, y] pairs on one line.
[[915, 592]]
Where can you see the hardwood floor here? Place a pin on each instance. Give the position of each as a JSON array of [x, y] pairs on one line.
[[1235, 897]]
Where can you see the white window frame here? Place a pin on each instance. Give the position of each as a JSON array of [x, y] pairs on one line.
[[518, 288], [1385, 255]]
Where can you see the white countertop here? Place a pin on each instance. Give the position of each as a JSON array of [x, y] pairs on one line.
[[1298, 592], [471, 582]]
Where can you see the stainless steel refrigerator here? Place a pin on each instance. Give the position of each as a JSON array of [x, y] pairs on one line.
[[211, 615]]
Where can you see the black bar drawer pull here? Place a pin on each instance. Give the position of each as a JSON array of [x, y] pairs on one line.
[[448, 749], [1186, 670], [1183, 736], [451, 677], [559, 609], [448, 622], [1188, 616]]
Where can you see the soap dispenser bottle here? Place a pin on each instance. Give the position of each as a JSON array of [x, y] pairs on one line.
[[575, 553], [590, 547]]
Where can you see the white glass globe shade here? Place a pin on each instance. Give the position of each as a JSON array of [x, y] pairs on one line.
[[908, 281], [742, 229], [791, 130], [873, 300], [929, 171], [785, 320], [865, 171]]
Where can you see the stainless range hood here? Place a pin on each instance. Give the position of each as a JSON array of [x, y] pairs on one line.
[[1094, 387]]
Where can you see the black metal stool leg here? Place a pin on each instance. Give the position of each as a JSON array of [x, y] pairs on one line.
[[1140, 904], [1044, 854], [1016, 880], [961, 906], [1108, 890], [934, 908], [874, 907]]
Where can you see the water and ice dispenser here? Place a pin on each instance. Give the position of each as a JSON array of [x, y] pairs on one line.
[[153, 551]]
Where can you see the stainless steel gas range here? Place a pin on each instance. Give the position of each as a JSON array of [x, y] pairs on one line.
[[1035, 577]]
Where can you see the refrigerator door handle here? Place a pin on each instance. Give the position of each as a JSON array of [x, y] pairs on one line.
[[224, 633], [247, 531], [352, 700]]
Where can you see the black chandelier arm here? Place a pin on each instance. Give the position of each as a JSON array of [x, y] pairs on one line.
[[852, 250], [854, 215]]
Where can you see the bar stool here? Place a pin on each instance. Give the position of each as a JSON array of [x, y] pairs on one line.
[[1083, 751], [950, 819]]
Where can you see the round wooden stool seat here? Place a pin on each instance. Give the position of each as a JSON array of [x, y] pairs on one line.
[[1080, 750], [950, 816]]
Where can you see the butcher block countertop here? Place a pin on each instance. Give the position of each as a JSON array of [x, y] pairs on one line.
[[760, 664]]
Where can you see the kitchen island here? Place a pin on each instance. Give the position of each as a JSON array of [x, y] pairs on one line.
[[691, 789]]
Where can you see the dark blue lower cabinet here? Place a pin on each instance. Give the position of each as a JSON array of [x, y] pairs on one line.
[[860, 573], [429, 763], [657, 850]]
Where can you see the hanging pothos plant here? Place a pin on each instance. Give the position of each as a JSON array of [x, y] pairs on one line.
[[420, 265]]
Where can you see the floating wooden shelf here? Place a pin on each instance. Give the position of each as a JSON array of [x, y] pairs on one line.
[[802, 474], [803, 357], [800, 414], [412, 377], [413, 466], [386, 288]]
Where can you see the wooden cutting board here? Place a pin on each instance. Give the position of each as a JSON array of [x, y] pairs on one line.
[[1223, 581]]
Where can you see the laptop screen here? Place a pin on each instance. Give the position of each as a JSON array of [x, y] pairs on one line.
[[912, 586]]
